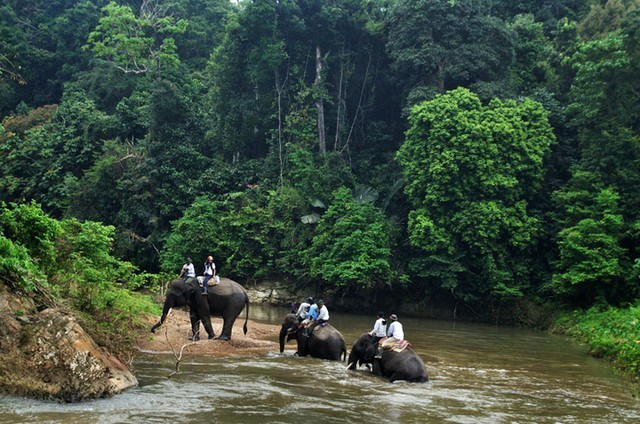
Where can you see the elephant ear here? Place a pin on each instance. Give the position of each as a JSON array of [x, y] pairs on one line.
[[369, 351]]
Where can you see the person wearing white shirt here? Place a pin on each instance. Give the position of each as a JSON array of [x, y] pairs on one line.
[[380, 327], [303, 309], [323, 316], [395, 333], [188, 270], [209, 273]]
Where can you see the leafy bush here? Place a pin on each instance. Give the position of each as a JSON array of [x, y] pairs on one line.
[[16, 267], [351, 244], [29, 226]]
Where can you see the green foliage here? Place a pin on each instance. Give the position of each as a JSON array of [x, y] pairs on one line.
[[606, 17], [350, 247], [30, 227], [316, 176], [532, 68], [137, 44], [591, 259], [603, 77], [17, 269], [46, 159], [471, 173], [41, 41], [217, 98], [438, 46], [292, 236], [612, 333]]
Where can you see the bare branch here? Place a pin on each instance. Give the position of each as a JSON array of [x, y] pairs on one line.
[[178, 356]]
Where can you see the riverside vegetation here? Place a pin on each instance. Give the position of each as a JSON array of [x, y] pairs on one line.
[[480, 158]]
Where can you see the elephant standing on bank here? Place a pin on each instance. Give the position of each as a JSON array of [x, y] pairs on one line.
[[405, 365], [226, 299], [324, 343]]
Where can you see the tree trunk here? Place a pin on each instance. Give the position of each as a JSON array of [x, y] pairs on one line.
[[441, 65], [322, 143], [279, 90]]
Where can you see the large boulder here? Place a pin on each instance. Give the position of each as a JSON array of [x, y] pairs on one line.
[[47, 354]]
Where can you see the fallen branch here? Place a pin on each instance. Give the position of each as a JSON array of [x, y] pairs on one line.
[[176, 355]]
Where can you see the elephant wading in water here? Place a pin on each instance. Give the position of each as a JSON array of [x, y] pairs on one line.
[[324, 343], [405, 365], [225, 299]]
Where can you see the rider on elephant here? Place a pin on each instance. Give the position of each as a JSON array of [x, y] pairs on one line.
[[209, 273], [380, 327], [395, 333], [321, 318], [188, 270], [303, 310]]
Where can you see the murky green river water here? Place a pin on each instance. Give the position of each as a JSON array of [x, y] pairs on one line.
[[479, 374]]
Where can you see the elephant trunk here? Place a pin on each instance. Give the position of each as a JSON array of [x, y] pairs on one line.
[[283, 334], [165, 312], [353, 361]]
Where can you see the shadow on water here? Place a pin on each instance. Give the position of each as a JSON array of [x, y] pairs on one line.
[[479, 374]]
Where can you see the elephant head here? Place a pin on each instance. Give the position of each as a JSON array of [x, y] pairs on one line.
[[180, 293], [362, 351], [289, 330]]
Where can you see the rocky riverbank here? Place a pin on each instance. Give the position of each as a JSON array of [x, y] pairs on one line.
[[47, 354]]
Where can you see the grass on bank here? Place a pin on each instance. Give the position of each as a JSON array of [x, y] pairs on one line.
[[612, 334]]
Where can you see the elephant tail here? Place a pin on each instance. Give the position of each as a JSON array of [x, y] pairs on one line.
[[246, 318], [344, 354]]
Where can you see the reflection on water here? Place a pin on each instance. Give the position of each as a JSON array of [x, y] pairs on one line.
[[479, 374]]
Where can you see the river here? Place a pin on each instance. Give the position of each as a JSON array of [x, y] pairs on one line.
[[478, 374]]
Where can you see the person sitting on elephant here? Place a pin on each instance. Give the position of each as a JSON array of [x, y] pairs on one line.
[[188, 271], [303, 310], [395, 334], [321, 318], [380, 327], [311, 316], [209, 273]]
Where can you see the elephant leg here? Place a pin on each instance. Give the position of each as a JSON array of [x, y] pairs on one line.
[[208, 327], [227, 326], [195, 327], [397, 376], [377, 367]]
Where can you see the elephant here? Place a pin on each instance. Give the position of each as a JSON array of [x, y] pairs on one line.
[[405, 365], [324, 343], [225, 299]]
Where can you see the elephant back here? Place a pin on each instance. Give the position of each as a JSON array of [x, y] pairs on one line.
[[227, 287], [405, 365], [327, 332]]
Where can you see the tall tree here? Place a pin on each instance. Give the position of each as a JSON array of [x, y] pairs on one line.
[[472, 172], [137, 44], [439, 45]]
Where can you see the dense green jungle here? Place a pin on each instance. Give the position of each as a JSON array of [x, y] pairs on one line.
[[477, 158]]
